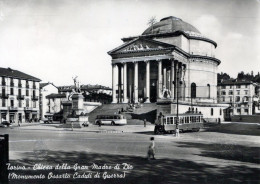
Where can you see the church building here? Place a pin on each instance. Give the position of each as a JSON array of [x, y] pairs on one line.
[[171, 59]]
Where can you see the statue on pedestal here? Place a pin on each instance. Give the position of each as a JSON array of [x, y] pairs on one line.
[[76, 84]]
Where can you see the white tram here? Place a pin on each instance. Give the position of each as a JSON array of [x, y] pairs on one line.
[[190, 121]]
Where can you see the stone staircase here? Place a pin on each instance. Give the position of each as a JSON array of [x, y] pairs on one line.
[[136, 117], [105, 109]]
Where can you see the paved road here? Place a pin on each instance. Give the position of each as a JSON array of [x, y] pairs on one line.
[[217, 150]]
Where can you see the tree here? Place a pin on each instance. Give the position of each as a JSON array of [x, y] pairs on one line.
[[223, 76]]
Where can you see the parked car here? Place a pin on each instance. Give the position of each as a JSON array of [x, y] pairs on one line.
[[47, 119], [85, 124], [5, 124]]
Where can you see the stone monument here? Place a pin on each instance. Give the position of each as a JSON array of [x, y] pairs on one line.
[[77, 117]]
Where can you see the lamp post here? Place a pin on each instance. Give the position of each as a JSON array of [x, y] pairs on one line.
[[177, 103]]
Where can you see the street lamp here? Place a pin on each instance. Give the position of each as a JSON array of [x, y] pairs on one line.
[[177, 103]]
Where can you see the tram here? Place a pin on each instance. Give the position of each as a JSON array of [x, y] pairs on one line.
[[189, 121]]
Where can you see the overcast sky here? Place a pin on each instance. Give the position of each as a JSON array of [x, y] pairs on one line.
[[55, 40]]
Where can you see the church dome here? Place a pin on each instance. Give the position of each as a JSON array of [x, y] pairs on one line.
[[171, 24]]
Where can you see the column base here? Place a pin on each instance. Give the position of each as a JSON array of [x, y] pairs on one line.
[[147, 101], [125, 101], [113, 102]]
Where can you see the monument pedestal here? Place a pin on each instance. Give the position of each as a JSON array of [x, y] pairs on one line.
[[77, 117]]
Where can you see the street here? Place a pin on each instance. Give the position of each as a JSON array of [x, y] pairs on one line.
[[199, 157]]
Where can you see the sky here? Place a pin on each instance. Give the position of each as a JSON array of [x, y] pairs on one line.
[[55, 40]]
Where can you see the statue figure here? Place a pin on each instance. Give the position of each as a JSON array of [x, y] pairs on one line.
[[76, 84]]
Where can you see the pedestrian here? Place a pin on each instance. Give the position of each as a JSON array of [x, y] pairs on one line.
[[151, 153], [144, 122]]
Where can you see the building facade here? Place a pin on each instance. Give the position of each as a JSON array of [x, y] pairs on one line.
[[46, 89], [19, 96], [241, 96], [171, 60], [171, 55]]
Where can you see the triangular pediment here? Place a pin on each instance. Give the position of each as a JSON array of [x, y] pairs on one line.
[[140, 44]]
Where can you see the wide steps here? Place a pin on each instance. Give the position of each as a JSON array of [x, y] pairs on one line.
[[105, 109]]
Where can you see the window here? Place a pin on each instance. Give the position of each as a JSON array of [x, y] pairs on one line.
[[246, 86], [246, 92], [27, 92], [20, 103], [3, 91], [208, 90], [12, 103], [3, 81], [238, 86], [220, 112], [231, 99], [246, 110], [238, 110], [27, 102], [12, 91], [3, 103], [223, 92], [230, 92], [223, 99], [246, 99], [237, 98], [212, 111], [238, 92], [19, 83], [11, 82], [193, 90], [34, 104], [19, 92]]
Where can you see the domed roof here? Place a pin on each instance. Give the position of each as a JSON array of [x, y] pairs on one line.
[[169, 25]]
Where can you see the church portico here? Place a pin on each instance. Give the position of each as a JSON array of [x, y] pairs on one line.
[[170, 61], [145, 80]]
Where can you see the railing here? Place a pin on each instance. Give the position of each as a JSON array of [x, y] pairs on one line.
[[20, 97], [35, 98], [5, 96], [13, 108], [28, 108]]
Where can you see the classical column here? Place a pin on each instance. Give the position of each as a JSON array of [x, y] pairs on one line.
[[122, 83], [172, 78], [119, 84], [136, 83], [147, 82], [164, 78], [114, 84], [183, 81], [160, 78], [180, 79], [125, 83]]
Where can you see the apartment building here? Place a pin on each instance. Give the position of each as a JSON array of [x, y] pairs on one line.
[[19, 96], [241, 95]]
